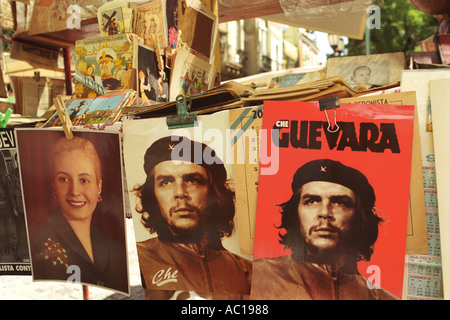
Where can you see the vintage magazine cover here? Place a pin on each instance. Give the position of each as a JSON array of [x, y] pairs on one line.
[[14, 258], [113, 21], [369, 71], [74, 206], [440, 102], [117, 16], [176, 260], [105, 63], [151, 20], [153, 77], [191, 75], [245, 128], [417, 238], [368, 158]]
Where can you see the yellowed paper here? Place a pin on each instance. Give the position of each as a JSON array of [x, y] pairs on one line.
[[245, 125], [440, 111], [423, 273], [55, 15], [369, 71]]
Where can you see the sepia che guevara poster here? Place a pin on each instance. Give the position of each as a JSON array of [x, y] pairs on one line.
[[332, 202]]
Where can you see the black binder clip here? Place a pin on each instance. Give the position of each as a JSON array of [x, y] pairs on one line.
[[330, 103], [183, 118]]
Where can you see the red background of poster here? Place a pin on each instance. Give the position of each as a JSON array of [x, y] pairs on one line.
[[388, 173]]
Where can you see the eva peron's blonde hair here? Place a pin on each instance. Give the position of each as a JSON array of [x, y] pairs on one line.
[[85, 147]]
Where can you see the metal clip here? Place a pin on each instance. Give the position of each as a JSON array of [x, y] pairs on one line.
[[183, 118], [330, 103]]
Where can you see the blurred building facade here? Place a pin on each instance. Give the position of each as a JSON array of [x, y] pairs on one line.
[[254, 46]]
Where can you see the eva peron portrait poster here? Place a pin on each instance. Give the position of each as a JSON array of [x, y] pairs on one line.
[[332, 202], [74, 206]]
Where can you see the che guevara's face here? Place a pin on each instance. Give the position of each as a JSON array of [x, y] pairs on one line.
[[181, 191], [326, 211]]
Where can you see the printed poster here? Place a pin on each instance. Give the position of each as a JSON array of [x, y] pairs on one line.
[[14, 255], [150, 21], [417, 239], [189, 247], [367, 156], [74, 206], [191, 75]]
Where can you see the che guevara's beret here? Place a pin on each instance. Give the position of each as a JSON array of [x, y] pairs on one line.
[[178, 148], [334, 171]]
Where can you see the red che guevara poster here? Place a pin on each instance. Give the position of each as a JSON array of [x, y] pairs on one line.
[[332, 201]]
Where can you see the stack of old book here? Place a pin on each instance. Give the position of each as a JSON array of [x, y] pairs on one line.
[[233, 94], [310, 91]]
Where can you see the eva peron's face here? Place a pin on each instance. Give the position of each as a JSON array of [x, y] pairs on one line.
[[75, 184], [181, 190], [326, 211]]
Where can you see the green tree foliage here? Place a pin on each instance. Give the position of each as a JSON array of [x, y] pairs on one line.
[[402, 27]]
